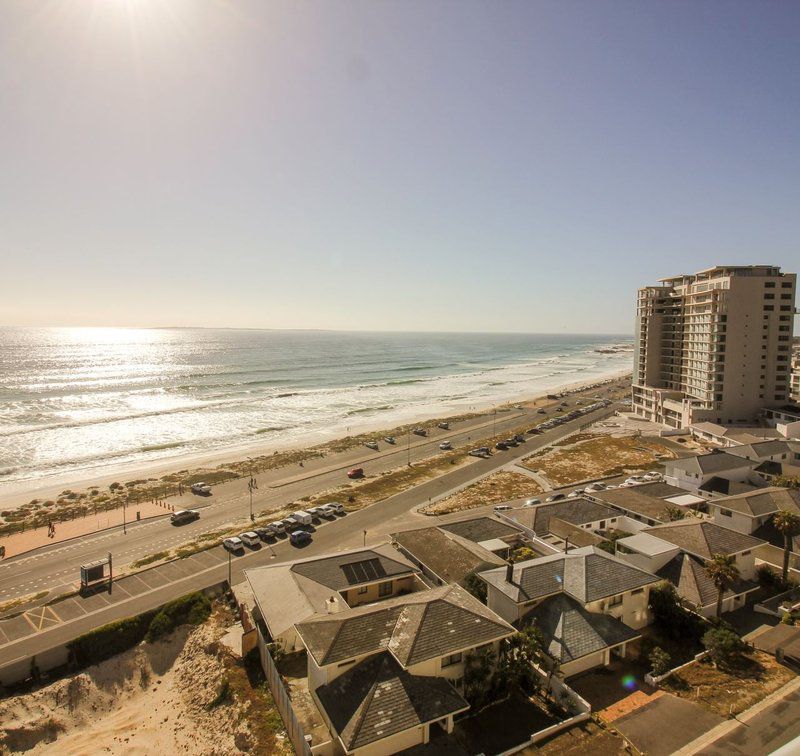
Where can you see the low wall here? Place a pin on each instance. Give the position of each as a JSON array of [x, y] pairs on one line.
[[654, 680]]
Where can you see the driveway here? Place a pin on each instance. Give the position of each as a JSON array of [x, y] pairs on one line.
[[666, 724]]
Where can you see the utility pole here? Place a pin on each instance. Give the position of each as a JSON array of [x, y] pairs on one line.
[[494, 423], [409, 448], [124, 522], [230, 582], [365, 538], [251, 486]]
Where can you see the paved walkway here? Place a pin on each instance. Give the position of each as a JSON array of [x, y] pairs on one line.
[[20, 543]]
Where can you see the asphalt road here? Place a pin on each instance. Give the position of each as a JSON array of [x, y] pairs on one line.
[[378, 520], [764, 733], [56, 568]]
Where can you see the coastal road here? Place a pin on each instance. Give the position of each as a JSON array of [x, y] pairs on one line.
[[19, 639], [55, 568]]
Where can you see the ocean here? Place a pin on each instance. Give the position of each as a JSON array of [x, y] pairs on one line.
[[82, 399]]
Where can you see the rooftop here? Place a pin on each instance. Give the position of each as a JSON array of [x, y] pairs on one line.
[[579, 511], [705, 464], [637, 499], [761, 501], [703, 538], [644, 543], [688, 574], [726, 487], [570, 632], [447, 554], [479, 529], [414, 628], [378, 698], [587, 574]]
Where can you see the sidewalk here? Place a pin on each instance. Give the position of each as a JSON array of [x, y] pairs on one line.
[[19, 543]]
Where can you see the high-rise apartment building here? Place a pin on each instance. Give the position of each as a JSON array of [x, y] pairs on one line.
[[714, 346]]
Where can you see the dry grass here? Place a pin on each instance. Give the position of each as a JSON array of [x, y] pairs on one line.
[[9, 606], [596, 457], [494, 488], [588, 738], [730, 691]]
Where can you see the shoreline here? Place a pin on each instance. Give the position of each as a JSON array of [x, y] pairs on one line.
[[15, 494]]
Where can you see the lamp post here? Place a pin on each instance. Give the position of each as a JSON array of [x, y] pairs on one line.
[[230, 582], [124, 519], [365, 538], [494, 423], [409, 448]]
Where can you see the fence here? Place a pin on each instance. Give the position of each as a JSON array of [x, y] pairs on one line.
[[282, 700]]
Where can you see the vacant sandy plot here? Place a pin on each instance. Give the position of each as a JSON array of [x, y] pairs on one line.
[[156, 698], [591, 457], [494, 488]]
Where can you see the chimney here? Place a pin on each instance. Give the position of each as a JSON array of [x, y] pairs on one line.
[[510, 573], [332, 605]]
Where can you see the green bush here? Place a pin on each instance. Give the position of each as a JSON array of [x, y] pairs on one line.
[[192, 610], [109, 640], [660, 661], [723, 645]]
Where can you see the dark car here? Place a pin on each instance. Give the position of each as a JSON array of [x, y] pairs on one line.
[[299, 537], [519, 438], [510, 442], [420, 432], [356, 472], [501, 445], [265, 534], [555, 497]]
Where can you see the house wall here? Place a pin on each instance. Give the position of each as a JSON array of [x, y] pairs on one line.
[[597, 659], [645, 562], [746, 562], [690, 481], [369, 594], [502, 605], [736, 521], [632, 611], [452, 672], [395, 743]]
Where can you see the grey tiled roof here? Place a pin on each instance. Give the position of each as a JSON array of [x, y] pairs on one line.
[[578, 511], [377, 698], [570, 632], [587, 574], [703, 538], [760, 449], [341, 571], [726, 487], [716, 461], [762, 501], [414, 628], [480, 529], [688, 575]]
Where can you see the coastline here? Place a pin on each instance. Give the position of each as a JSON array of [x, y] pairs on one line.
[[15, 494]]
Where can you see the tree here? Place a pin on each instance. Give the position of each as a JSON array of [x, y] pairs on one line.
[[518, 655], [478, 669], [787, 523], [723, 572], [722, 644], [476, 586], [522, 554], [673, 513], [660, 661], [784, 481]]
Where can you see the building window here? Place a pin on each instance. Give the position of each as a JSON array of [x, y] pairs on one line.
[[385, 589], [363, 589], [637, 591], [725, 512], [615, 601], [448, 661]]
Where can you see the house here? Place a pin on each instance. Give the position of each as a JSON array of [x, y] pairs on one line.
[[747, 512], [445, 557], [643, 505], [678, 552], [587, 603], [288, 593], [383, 675], [726, 435], [763, 451], [691, 473], [482, 529]]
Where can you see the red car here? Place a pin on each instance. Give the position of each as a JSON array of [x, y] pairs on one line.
[[356, 472]]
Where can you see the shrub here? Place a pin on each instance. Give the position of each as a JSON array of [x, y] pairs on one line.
[[769, 579], [673, 618], [476, 586], [192, 609], [722, 644], [660, 661], [109, 640], [223, 695]]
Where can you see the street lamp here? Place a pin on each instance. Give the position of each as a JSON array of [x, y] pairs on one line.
[[230, 582], [409, 448], [365, 538], [124, 519]]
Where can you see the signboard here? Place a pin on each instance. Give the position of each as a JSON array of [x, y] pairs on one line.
[[96, 572]]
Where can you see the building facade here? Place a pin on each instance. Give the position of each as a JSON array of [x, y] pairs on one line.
[[714, 346]]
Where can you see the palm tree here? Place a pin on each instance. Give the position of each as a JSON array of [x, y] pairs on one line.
[[723, 572], [788, 524]]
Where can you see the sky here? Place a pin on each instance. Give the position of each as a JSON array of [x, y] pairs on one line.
[[371, 165]]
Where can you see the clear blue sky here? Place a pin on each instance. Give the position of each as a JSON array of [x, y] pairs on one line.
[[500, 166]]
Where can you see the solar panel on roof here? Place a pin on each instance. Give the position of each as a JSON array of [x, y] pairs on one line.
[[363, 571]]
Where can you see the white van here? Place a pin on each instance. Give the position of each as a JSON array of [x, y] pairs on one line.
[[301, 518]]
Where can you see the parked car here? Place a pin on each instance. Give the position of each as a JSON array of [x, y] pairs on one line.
[[573, 494], [445, 446], [510, 442], [335, 506], [652, 476], [420, 432], [301, 517], [299, 537], [326, 510], [233, 544], [390, 439], [266, 533], [531, 502], [502, 507], [279, 528], [519, 438], [595, 487], [250, 538], [315, 512], [182, 516], [200, 489], [371, 445], [555, 497], [443, 426], [356, 472], [484, 450], [541, 411], [477, 453], [501, 445]]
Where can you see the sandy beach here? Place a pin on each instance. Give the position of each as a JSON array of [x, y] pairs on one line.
[[17, 493]]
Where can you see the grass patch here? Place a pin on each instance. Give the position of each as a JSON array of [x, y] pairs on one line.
[[144, 561], [9, 606], [494, 488], [733, 689], [193, 609], [597, 457]]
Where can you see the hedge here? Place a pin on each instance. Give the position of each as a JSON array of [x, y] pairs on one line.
[[107, 641]]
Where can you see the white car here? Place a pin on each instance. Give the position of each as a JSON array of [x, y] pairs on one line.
[[445, 446], [502, 508], [335, 507], [573, 494], [250, 538], [531, 502], [652, 476], [371, 445], [233, 544]]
